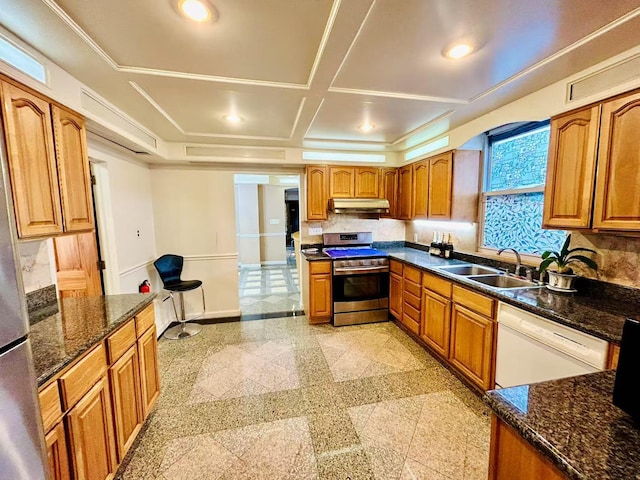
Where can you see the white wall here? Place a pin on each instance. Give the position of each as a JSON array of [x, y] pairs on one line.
[[194, 216]]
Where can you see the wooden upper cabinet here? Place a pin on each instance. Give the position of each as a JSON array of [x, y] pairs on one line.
[[32, 163], [420, 189], [389, 189], [367, 182], [342, 182], [617, 198], [405, 185], [73, 168], [317, 189], [571, 169], [440, 186]]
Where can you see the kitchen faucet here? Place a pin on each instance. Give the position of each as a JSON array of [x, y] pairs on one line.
[[518, 259]]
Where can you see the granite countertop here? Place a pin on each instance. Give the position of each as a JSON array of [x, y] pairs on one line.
[[599, 317], [80, 323], [574, 423]]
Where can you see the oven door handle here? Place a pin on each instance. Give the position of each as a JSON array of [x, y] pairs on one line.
[[356, 271]]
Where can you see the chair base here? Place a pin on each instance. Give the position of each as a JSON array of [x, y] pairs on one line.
[[185, 330]]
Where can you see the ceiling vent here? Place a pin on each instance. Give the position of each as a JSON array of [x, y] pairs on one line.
[[617, 74], [218, 152], [107, 113]]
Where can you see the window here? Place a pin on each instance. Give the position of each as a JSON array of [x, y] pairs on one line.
[[18, 58], [513, 199]]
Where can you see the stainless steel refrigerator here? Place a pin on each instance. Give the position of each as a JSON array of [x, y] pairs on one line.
[[22, 451]]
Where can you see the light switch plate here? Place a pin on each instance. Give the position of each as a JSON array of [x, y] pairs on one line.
[[274, 221], [315, 231]]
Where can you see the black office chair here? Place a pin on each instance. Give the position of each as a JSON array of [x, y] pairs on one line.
[[169, 268]]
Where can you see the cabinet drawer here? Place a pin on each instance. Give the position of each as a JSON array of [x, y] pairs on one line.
[[145, 320], [437, 284], [50, 407], [395, 267], [412, 288], [82, 376], [319, 267], [412, 300], [411, 312], [120, 341], [474, 301], [412, 274]]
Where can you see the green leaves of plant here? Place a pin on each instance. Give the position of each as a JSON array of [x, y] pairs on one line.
[[567, 256]]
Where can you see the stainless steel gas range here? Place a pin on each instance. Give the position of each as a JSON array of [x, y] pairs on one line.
[[360, 278]]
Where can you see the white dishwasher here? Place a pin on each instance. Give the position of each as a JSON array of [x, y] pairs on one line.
[[532, 349]]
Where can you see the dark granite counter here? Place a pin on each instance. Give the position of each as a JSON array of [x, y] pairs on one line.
[[599, 317], [311, 256], [81, 323], [574, 423]]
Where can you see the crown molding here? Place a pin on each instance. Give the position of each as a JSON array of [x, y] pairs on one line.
[[325, 39], [433, 121], [313, 119]]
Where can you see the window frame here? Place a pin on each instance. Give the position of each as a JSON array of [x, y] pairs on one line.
[[490, 139]]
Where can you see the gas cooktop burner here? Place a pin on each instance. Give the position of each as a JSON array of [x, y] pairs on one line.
[[354, 252]]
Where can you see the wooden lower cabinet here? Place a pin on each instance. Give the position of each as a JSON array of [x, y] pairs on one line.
[[395, 295], [126, 392], [149, 374], [411, 301], [320, 292], [513, 457], [57, 453], [471, 349], [91, 439], [436, 321]]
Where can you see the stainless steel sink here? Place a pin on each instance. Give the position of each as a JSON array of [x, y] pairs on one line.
[[503, 281], [466, 270]]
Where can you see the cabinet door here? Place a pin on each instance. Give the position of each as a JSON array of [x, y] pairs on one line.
[[420, 189], [126, 390], [367, 182], [511, 456], [342, 182], [471, 348], [57, 453], [317, 188], [73, 169], [395, 295], [571, 169], [436, 322], [93, 450], [32, 162], [320, 295], [150, 377], [440, 186], [389, 189], [617, 200], [405, 182]]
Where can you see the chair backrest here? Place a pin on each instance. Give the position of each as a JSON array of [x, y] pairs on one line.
[[169, 268]]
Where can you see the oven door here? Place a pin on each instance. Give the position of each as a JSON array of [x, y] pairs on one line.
[[360, 287]]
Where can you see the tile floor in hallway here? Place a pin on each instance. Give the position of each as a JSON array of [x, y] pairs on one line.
[[281, 399], [269, 289]]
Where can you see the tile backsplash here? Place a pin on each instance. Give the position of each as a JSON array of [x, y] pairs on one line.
[[618, 258], [37, 264], [383, 229]]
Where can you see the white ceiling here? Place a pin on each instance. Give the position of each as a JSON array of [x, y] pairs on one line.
[[307, 70]]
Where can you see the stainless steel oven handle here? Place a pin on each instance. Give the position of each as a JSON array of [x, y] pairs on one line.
[[357, 270]]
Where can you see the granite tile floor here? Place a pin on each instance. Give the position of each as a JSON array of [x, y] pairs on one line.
[[281, 399], [269, 289]]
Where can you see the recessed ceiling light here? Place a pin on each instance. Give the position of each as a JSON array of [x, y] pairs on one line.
[[458, 50], [197, 10], [366, 127], [233, 118]]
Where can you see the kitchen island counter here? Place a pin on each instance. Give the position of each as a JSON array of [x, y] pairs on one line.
[[573, 423]]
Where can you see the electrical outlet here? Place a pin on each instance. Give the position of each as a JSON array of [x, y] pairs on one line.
[[315, 230]]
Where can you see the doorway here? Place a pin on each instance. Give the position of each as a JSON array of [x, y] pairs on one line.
[[267, 217]]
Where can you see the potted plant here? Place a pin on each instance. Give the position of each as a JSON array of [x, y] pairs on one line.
[[561, 280]]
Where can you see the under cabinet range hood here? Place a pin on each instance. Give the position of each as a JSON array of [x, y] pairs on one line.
[[359, 205]]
